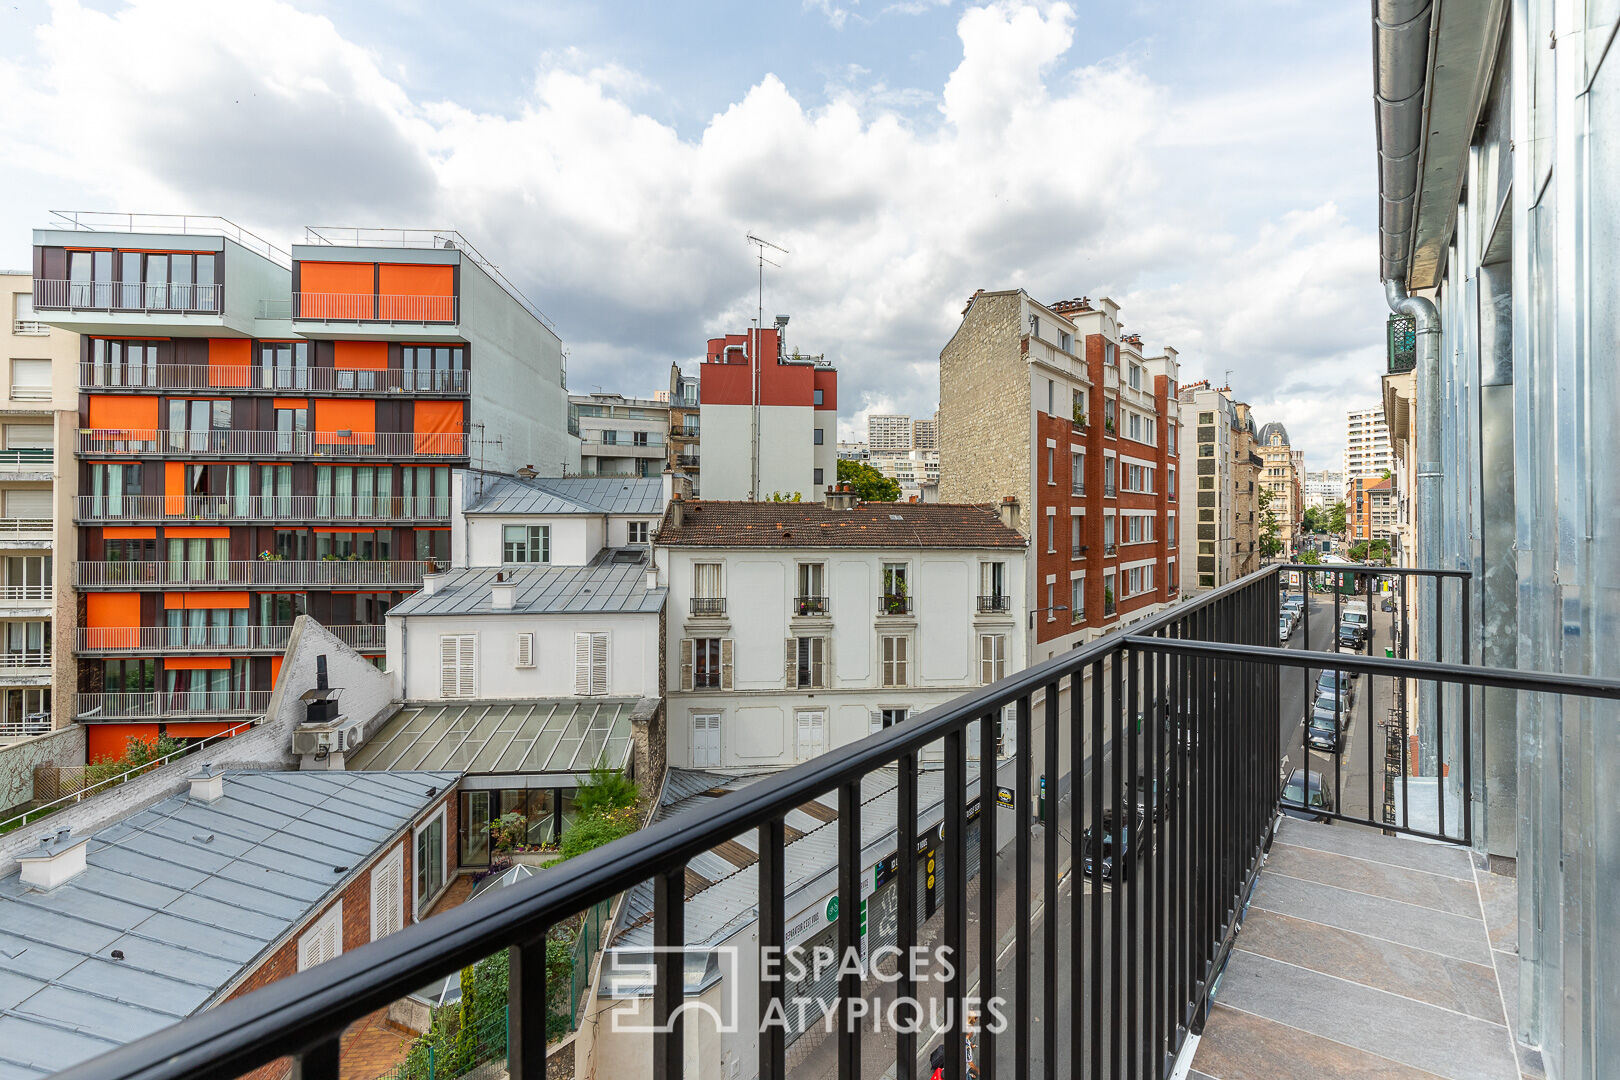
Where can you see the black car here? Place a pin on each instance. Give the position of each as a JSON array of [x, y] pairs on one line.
[[1323, 732], [1101, 864], [1319, 803]]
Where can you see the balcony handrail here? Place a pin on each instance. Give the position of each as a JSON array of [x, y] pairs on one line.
[[238, 377], [238, 442], [404, 573], [10, 525], [28, 455], [374, 307], [166, 298], [995, 602], [26, 592], [305, 1014], [144, 703], [36, 658], [805, 604], [708, 605], [178, 509], [126, 639], [30, 328], [894, 604], [185, 224]]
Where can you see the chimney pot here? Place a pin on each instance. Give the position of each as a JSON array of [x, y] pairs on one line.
[[58, 858], [502, 594], [431, 581], [207, 785], [1009, 512]]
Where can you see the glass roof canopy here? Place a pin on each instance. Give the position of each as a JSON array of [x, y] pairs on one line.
[[569, 735]]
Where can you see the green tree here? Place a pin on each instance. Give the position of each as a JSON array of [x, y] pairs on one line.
[[869, 484], [1338, 519], [1311, 557], [607, 789], [1315, 521], [1270, 541]]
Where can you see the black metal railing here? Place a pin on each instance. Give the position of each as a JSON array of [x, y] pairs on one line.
[[708, 605], [809, 605], [995, 602], [894, 604]]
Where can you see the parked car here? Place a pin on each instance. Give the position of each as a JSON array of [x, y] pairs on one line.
[[1323, 731], [1309, 797], [1337, 683], [1285, 627], [1116, 847], [1147, 790]]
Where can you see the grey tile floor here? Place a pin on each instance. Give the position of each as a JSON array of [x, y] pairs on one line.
[[1369, 957]]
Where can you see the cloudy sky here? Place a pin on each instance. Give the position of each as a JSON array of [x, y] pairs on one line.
[[1209, 165]]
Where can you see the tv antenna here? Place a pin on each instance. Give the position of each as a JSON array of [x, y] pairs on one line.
[[1229, 378], [480, 441], [762, 244]]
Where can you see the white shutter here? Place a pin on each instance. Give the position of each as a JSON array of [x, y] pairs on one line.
[[322, 941], [582, 665], [706, 741], [388, 895], [29, 436], [590, 664], [599, 664], [875, 724], [448, 653], [792, 663], [686, 664], [26, 503], [467, 663], [725, 663], [525, 650]]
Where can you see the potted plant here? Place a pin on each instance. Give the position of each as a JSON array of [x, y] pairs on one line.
[[1108, 424], [1108, 597], [1079, 416]]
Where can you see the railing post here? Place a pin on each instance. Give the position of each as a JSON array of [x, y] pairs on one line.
[[526, 996], [955, 929], [849, 927]]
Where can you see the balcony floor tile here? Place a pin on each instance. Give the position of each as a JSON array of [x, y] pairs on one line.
[[1377, 916], [1241, 1046]]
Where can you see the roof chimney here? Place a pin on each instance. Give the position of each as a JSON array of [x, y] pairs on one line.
[[57, 859], [431, 580], [501, 592], [527, 473], [840, 497], [1009, 512], [207, 785], [677, 510]]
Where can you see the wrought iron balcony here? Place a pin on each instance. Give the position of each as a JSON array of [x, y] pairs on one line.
[[997, 602], [118, 442], [708, 605], [240, 378], [263, 573], [170, 298], [230, 509], [123, 640], [894, 604], [161, 704], [809, 605]]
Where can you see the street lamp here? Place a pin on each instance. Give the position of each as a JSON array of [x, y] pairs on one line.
[[1036, 611]]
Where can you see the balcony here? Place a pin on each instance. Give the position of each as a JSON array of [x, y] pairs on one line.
[[60, 294], [810, 605], [242, 378], [28, 459], [30, 328], [230, 509], [995, 604], [894, 604], [1109, 490], [372, 307], [1293, 947], [1078, 489], [345, 445], [11, 661], [212, 640], [687, 461], [1109, 549], [263, 573], [30, 531], [708, 606], [161, 705]]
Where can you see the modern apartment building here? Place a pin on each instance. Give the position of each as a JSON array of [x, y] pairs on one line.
[[888, 433], [1400, 390], [796, 628], [265, 434], [38, 420], [1366, 443], [1371, 508], [1280, 474], [1222, 488], [771, 416], [685, 433], [620, 436], [1323, 489], [912, 470], [1054, 405], [925, 433]]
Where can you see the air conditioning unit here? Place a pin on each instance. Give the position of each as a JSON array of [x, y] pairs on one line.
[[326, 740]]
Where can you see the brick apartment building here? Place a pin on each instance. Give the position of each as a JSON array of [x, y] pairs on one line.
[[1054, 405], [263, 435]]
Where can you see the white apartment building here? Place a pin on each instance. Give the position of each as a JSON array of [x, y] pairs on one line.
[[1366, 444], [38, 480], [794, 628], [912, 470], [925, 433], [1323, 489], [888, 433], [619, 436]]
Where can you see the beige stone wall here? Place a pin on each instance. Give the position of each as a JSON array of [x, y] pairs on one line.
[[984, 408]]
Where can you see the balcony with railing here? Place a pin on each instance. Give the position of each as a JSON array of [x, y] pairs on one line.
[[894, 604], [135, 442], [13, 662], [809, 605], [708, 606], [265, 573], [17, 529], [243, 378], [229, 509], [213, 640], [27, 459], [167, 298], [1140, 884], [172, 704], [330, 307], [995, 604], [30, 328]]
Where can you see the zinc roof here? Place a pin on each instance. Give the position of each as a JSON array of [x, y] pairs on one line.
[[610, 583], [568, 495]]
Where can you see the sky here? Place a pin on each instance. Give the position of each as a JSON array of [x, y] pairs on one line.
[[1210, 166]]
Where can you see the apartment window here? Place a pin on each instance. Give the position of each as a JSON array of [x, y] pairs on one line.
[[322, 941], [1051, 529], [1175, 437], [705, 740], [1206, 418], [1136, 426], [812, 598], [199, 559], [123, 363], [1108, 534], [1077, 474], [430, 367], [1065, 341], [1171, 490], [993, 582], [820, 397], [22, 311], [1108, 594], [809, 662], [1109, 414], [130, 551], [707, 597], [1110, 354], [896, 589], [706, 665], [992, 658], [1077, 600], [820, 435], [1051, 602], [129, 676], [275, 490], [638, 438], [1133, 581], [429, 860], [887, 718], [355, 544], [31, 380], [639, 531], [1034, 326], [426, 490], [1135, 376], [896, 652], [526, 543], [1171, 529], [590, 664], [29, 641], [284, 365], [458, 665], [109, 484], [433, 544], [1075, 521], [1051, 396], [1108, 476], [1051, 465], [816, 476]]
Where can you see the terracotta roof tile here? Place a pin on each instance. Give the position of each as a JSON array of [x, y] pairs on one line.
[[806, 525]]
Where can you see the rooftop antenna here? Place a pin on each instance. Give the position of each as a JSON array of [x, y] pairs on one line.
[[480, 441], [1229, 378], [754, 359], [762, 244]]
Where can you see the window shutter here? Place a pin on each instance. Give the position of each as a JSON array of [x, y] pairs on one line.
[[792, 662], [467, 668], [599, 664], [447, 666], [525, 650], [582, 665], [875, 725], [387, 895], [686, 663], [725, 663]]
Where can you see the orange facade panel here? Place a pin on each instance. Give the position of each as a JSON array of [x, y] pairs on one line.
[[130, 532], [203, 601], [206, 730], [123, 413], [174, 487], [196, 663], [439, 427], [228, 361], [198, 532], [108, 742], [291, 402], [360, 355], [410, 279], [358, 418], [337, 290], [112, 620]]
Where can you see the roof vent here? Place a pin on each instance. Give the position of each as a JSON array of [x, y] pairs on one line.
[[58, 858], [207, 785]]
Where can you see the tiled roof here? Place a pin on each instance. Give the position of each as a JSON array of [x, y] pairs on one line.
[[566, 495], [811, 525]]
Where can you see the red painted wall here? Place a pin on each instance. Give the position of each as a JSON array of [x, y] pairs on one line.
[[790, 384]]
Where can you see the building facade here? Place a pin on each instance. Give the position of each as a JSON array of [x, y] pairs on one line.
[[1323, 489], [1247, 469], [264, 434], [620, 436], [888, 433], [770, 415], [38, 422], [795, 628], [685, 433], [1366, 443], [1221, 486], [1056, 407], [1280, 475]]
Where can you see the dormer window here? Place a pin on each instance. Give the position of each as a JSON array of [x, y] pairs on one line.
[[526, 544]]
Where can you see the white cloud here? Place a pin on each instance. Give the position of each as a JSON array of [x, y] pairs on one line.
[[1044, 167]]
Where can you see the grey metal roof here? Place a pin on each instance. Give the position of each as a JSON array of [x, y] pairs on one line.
[[192, 894], [563, 735], [721, 909], [568, 495], [1273, 428], [604, 585]]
